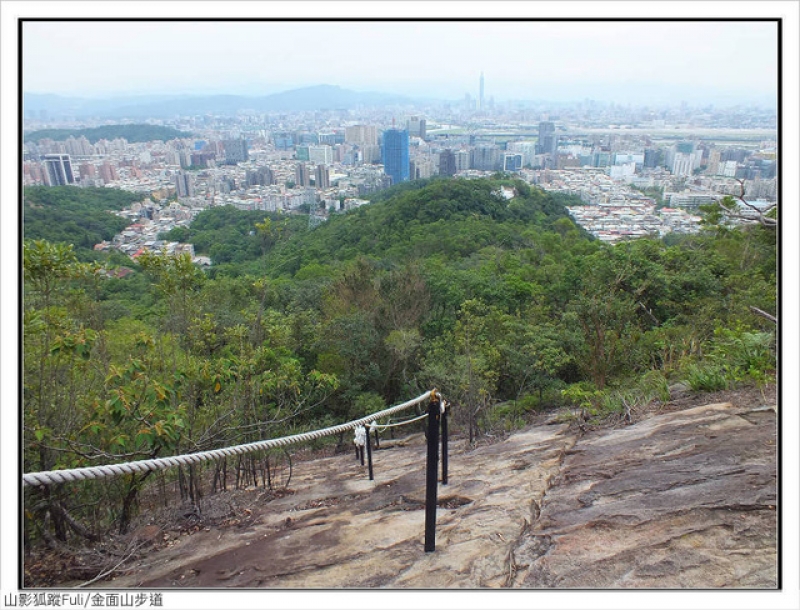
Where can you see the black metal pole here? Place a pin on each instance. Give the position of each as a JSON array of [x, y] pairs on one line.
[[444, 447], [361, 454], [431, 482], [369, 456], [356, 446]]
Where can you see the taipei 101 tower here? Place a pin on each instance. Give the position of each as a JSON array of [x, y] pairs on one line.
[[480, 95]]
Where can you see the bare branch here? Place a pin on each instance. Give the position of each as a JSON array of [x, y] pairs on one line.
[[649, 313], [763, 314], [110, 571], [760, 214]]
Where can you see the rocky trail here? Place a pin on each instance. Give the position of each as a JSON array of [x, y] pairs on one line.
[[682, 498]]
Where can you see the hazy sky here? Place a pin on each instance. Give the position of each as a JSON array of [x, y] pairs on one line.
[[620, 61]]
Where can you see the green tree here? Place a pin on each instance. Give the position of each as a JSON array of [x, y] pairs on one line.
[[177, 278]]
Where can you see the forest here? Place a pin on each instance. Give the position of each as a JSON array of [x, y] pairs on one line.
[[506, 306], [77, 216], [132, 133]]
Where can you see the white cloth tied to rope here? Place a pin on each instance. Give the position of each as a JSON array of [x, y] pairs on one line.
[[360, 436]]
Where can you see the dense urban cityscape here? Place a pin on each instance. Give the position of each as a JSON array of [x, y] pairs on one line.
[[637, 170]]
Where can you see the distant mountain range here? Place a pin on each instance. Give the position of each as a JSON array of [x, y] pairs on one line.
[[319, 97]]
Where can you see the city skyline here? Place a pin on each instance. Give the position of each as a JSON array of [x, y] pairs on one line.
[[638, 62]]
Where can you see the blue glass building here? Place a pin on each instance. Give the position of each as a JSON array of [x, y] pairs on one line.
[[395, 154]]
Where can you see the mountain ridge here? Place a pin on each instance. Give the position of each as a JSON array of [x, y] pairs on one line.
[[314, 97]]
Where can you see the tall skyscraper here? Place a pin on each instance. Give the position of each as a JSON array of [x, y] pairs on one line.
[[58, 169], [480, 96], [395, 155]]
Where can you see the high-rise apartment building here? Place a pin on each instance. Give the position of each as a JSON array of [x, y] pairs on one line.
[[486, 158], [184, 184], [395, 155], [58, 170], [371, 154], [447, 163], [322, 177], [481, 102], [512, 162], [362, 135], [185, 158], [263, 176], [462, 158], [417, 127], [235, 151], [87, 170], [548, 143], [201, 159], [320, 154], [302, 177], [108, 172], [653, 157]]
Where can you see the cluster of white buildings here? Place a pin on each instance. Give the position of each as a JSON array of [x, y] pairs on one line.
[[148, 220], [611, 222], [613, 210]]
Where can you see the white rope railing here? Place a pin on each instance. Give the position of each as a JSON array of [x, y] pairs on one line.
[[382, 427], [36, 479]]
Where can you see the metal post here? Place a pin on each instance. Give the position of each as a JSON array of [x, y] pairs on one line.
[[369, 456], [431, 482], [444, 447], [361, 454], [356, 446]]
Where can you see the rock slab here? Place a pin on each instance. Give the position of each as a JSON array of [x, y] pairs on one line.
[[682, 499]]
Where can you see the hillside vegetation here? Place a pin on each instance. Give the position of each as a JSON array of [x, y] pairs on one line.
[[132, 133], [504, 305], [73, 215]]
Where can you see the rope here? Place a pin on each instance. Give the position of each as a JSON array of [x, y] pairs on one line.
[[381, 427], [95, 472]]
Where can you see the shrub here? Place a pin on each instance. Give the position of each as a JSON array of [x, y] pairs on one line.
[[707, 377]]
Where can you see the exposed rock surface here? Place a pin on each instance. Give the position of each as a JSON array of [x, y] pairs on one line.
[[686, 499], [683, 499]]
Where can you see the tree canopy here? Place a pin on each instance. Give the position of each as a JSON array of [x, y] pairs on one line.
[[73, 215], [505, 305], [132, 133]]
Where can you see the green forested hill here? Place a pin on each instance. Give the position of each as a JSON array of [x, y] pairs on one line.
[[132, 133], [439, 218], [74, 215], [505, 306]]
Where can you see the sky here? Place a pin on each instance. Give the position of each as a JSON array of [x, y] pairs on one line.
[[624, 62]]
